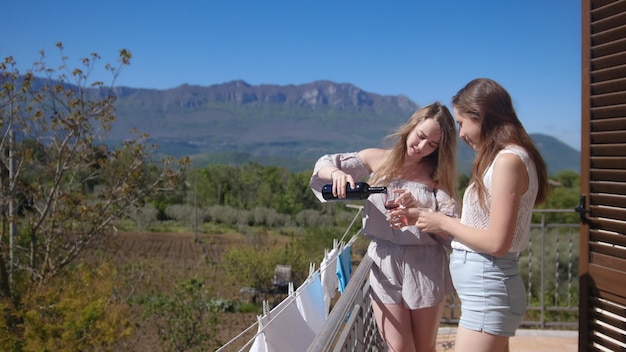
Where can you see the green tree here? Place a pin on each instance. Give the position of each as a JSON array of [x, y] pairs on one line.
[[565, 194], [298, 195], [253, 266], [252, 186], [215, 185], [74, 187], [568, 179], [81, 316]]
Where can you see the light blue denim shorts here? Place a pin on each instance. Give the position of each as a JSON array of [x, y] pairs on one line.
[[491, 290]]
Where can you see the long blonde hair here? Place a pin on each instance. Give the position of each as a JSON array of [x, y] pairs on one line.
[[444, 172]]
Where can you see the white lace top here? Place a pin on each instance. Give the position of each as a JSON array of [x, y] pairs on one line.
[[473, 215]]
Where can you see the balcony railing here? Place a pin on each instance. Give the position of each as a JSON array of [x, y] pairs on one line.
[[549, 266]]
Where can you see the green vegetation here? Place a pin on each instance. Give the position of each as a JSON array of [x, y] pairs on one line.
[[63, 286], [61, 191], [186, 318]]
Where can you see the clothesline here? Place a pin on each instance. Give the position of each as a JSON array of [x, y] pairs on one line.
[[314, 274], [310, 315], [329, 258], [360, 208]]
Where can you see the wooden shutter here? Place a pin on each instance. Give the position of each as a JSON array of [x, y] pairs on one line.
[[602, 324]]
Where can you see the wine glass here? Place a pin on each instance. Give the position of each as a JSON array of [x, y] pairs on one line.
[[391, 203], [389, 199]]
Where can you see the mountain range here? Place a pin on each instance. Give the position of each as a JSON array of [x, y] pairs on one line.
[[282, 125]]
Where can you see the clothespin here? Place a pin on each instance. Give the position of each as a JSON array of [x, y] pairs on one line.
[[356, 235], [311, 269], [266, 307], [291, 290]]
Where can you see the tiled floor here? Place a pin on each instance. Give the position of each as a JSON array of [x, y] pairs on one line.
[[523, 341]]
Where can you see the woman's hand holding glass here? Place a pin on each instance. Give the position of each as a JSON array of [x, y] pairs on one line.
[[398, 203], [431, 222]]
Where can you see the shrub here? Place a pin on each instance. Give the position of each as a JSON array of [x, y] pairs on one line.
[[187, 321]]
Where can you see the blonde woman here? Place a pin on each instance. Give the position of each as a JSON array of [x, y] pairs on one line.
[[409, 277]]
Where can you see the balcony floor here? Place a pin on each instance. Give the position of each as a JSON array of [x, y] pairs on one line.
[[526, 340]]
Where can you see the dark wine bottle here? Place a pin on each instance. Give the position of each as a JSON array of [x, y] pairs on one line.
[[360, 191]]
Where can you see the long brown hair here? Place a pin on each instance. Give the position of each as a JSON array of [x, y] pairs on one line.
[[444, 172], [489, 103]]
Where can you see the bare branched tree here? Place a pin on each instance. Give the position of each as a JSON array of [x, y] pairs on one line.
[[62, 187]]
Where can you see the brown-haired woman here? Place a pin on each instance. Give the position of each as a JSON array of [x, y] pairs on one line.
[[509, 178]]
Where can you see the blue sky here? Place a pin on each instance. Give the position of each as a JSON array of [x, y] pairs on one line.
[[426, 50]]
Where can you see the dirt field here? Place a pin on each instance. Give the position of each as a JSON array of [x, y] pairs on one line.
[[164, 258]]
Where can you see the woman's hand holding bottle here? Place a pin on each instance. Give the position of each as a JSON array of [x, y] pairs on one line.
[[343, 187], [340, 180]]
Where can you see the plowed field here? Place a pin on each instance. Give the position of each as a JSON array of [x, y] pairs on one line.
[[159, 260]]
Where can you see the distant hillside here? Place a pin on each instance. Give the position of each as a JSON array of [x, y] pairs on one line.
[[558, 155], [290, 125], [265, 120]]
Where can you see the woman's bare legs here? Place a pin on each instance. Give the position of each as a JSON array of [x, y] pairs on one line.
[[425, 324], [476, 341], [394, 325], [407, 330]]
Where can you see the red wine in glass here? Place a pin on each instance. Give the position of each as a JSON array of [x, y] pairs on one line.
[[390, 205], [389, 199]]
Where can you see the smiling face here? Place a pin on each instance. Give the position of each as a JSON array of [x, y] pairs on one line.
[[423, 140], [469, 129]]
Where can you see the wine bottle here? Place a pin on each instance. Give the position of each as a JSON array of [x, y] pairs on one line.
[[360, 191]]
